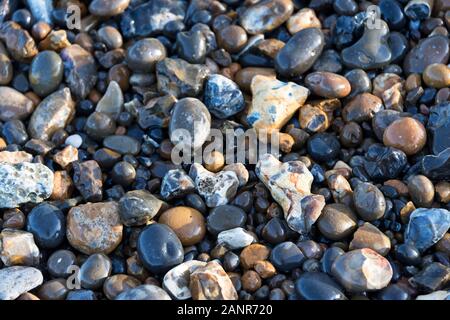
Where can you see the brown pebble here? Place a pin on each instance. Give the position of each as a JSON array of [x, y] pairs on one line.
[[265, 269], [53, 290], [286, 142], [421, 190], [40, 30], [337, 221], [252, 254], [443, 245], [369, 236], [251, 281], [62, 186], [437, 75], [187, 223], [413, 81], [14, 219], [401, 188], [406, 134], [328, 85], [244, 76], [443, 191], [351, 135], [270, 47], [214, 161], [232, 38], [118, 283], [406, 211], [27, 296]]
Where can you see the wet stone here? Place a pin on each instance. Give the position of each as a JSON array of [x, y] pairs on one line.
[[323, 147], [337, 221], [369, 201], [252, 254], [437, 75], [318, 286], [426, 227], [46, 73], [406, 134], [275, 231], [14, 132], [18, 280], [94, 271], [94, 227], [286, 256], [14, 105], [87, 178], [123, 174], [17, 247], [53, 290], [60, 262], [433, 277], [112, 101], [362, 107], [24, 182], [191, 46], [302, 19], [137, 207], [176, 281], [176, 184], [382, 120], [429, 50], [222, 96], [236, 238], [99, 125], [328, 85], [421, 190], [118, 283], [362, 270], [47, 224], [179, 78], [384, 162], [437, 166], [159, 248], [18, 41], [369, 236], [300, 52], [143, 55], [232, 38], [225, 217]]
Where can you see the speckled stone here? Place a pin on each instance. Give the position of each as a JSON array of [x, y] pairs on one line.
[[18, 280], [137, 207], [15, 157], [176, 184]]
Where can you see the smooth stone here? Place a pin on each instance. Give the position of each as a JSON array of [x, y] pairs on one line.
[[437, 75], [108, 8], [60, 263], [18, 280], [362, 270], [118, 283], [187, 223], [318, 286], [123, 174], [232, 38], [138, 207], [222, 96], [406, 134], [112, 101], [323, 146], [303, 19], [94, 271], [371, 51], [122, 144], [275, 231], [19, 42], [418, 9], [393, 292], [369, 201], [46, 72], [143, 55], [14, 132], [439, 126], [359, 82], [337, 221], [274, 102], [327, 84], [176, 184], [18, 248], [266, 15], [53, 290], [52, 114], [159, 248], [421, 190], [383, 163], [100, 125], [111, 37], [408, 254], [286, 256], [24, 182], [216, 188], [14, 105], [329, 61], [190, 124], [399, 46], [87, 178], [429, 50], [369, 236], [180, 78], [176, 281], [236, 238], [80, 70], [382, 120], [94, 227], [47, 224], [300, 52], [225, 217], [191, 46], [392, 13], [362, 108], [6, 67], [144, 292], [211, 282], [437, 166], [426, 227], [253, 253], [329, 257]]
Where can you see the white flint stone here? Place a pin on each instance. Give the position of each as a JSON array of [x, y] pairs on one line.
[[236, 238], [176, 281]]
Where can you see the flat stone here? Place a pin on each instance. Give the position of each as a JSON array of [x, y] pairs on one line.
[[318, 286], [18, 280], [46, 72], [433, 277], [17, 247], [177, 280], [24, 182], [122, 144], [236, 238], [434, 49]]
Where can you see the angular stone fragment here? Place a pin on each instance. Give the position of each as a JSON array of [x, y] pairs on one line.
[[433, 277], [52, 114], [18, 280], [176, 281], [66, 156], [87, 178], [176, 183], [17, 247], [274, 102], [24, 182], [112, 101], [18, 41], [137, 207], [290, 185], [212, 283], [15, 157]]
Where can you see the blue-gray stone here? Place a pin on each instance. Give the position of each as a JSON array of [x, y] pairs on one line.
[[223, 97], [438, 166], [426, 227], [144, 292], [439, 127], [41, 10]]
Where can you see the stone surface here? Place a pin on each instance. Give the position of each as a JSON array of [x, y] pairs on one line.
[[15, 157], [252, 254], [107, 8], [369, 201], [429, 50], [437, 166], [94, 271], [177, 280], [302, 19], [433, 277], [14, 105], [118, 283], [327, 84], [235, 238], [266, 15], [286, 256], [439, 126], [18, 280], [143, 55], [46, 72], [225, 217], [47, 224], [144, 292], [94, 227], [406, 134], [176, 184], [384, 162], [66, 156], [137, 207], [17, 247], [318, 286], [24, 182], [112, 101], [337, 221], [361, 108], [369, 236], [222, 96], [18, 41], [87, 178]]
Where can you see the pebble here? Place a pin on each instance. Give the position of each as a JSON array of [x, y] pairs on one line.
[[52, 114], [18, 41], [362, 270], [300, 52], [216, 188], [47, 224], [266, 15], [192, 46], [265, 269], [225, 217], [187, 223], [107, 8], [438, 125], [327, 84], [274, 102], [14, 132], [236, 238], [176, 281], [179, 78], [421, 190], [290, 185], [112, 101], [303, 19], [443, 191], [46, 73], [362, 108], [87, 178], [62, 186], [159, 248], [190, 124], [433, 277], [18, 248], [384, 162], [18, 280], [437, 295], [94, 271], [137, 207], [15, 157], [437, 167], [434, 49], [122, 144], [406, 134], [66, 156], [118, 283], [54, 289], [286, 256], [318, 286], [369, 201], [323, 146], [176, 184], [369, 236], [426, 227], [123, 173], [337, 221], [60, 262], [222, 96], [111, 37], [99, 125], [211, 282], [245, 76], [437, 75], [94, 227], [24, 182], [275, 231], [144, 292], [232, 38], [14, 105], [252, 254], [144, 54]]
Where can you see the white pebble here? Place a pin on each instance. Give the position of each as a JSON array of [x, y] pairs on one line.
[[74, 140], [235, 238]]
